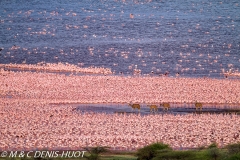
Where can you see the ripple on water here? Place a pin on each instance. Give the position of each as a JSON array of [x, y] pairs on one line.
[[192, 37]]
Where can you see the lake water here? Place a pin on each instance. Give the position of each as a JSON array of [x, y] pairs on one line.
[[145, 110], [194, 38]]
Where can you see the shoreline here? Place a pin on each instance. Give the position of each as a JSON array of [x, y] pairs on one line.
[[67, 102], [70, 69], [56, 67]]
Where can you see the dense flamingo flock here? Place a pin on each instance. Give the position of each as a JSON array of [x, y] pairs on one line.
[[29, 119], [27, 125], [57, 67], [60, 88]]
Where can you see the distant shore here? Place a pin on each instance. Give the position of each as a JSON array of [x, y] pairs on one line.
[[58, 67]]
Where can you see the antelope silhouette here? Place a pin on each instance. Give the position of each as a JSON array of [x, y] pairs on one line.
[[166, 106], [198, 106], [135, 106], [153, 108]]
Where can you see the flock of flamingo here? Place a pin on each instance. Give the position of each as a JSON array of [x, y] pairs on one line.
[[37, 111], [38, 102], [38, 125], [59, 67], [61, 88]]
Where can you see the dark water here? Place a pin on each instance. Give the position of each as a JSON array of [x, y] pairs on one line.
[[193, 37], [145, 110]]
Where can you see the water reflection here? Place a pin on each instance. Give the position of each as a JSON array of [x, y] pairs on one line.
[[190, 38]]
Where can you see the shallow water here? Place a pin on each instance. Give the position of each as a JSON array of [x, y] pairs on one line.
[[174, 108], [195, 38]]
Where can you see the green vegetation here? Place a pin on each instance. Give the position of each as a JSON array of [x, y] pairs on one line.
[[212, 152], [233, 148], [156, 151], [150, 151], [174, 155], [119, 157], [94, 152]]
